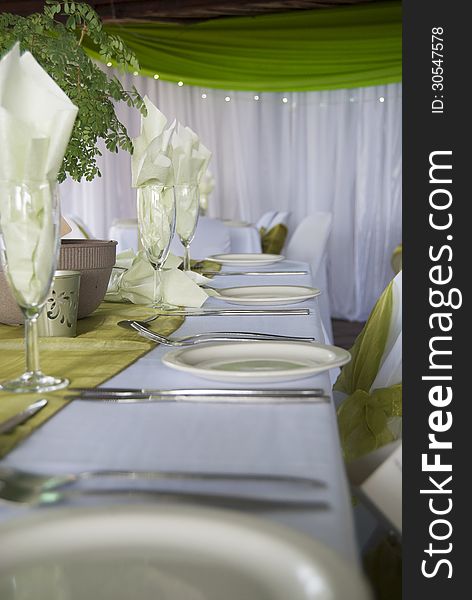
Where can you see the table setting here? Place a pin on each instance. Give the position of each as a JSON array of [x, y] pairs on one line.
[[186, 444]]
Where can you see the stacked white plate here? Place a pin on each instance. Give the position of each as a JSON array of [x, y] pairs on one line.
[[166, 553], [246, 260], [267, 294]]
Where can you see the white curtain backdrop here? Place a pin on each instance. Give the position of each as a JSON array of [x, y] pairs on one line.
[[337, 151]]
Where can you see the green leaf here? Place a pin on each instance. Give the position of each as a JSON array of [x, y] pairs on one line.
[[54, 45]]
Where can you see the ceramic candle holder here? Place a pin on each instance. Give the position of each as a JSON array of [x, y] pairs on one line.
[[59, 315]]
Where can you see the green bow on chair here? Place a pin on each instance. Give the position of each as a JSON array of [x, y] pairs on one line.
[[397, 259], [273, 240], [364, 416]]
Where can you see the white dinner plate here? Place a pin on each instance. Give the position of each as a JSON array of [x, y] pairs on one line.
[[167, 553], [267, 294], [246, 260], [256, 361], [232, 223]]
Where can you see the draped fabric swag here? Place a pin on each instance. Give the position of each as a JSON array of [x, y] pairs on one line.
[[346, 47]]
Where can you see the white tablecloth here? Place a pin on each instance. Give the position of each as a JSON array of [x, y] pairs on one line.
[[125, 232], [244, 238], [277, 439], [230, 238]]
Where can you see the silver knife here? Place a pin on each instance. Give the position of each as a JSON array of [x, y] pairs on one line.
[[24, 415], [281, 396], [235, 311], [253, 272]]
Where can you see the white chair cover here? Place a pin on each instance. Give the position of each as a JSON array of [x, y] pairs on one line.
[[280, 217], [211, 237], [390, 371], [266, 219], [309, 244]]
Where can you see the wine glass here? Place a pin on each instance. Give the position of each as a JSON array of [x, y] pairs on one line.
[[187, 200], [156, 220], [29, 246]]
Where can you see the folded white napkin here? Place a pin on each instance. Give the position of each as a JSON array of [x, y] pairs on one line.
[[207, 183], [136, 282], [190, 157], [205, 187], [151, 162], [36, 120]]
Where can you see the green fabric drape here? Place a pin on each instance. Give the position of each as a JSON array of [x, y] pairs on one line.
[[363, 416], [345, 47]]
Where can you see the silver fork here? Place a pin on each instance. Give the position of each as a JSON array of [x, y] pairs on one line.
[[23, 486], [217, 336]]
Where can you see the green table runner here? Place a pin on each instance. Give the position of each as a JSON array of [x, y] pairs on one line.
[[100, 351]]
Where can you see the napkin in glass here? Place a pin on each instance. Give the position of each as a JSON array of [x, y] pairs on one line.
[[190, 160], [36, 121], [207, 183], [133, 281], [190, 157], [151, 162]]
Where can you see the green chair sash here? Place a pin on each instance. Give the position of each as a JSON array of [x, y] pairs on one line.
[[397, 259], [363, 416], [273, 240], [363, 420]]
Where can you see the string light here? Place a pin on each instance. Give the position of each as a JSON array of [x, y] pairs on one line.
[[309, 101]]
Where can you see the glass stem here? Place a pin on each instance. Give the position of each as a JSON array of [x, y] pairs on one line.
[[31, 344], [157, 286], [186, 258]]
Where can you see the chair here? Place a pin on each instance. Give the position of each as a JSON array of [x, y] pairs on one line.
[[369, 389], [368, 394], [273, 231], [266, 219], [309, 244], [79, 230]]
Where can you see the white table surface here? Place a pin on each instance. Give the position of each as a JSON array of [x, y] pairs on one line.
[[241, 239], [244, 239], [276, 439]]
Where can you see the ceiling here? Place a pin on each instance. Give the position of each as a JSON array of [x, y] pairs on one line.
[[183, 11]]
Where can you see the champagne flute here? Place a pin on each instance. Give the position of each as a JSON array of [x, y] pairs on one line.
[[187, 199], [29, 246], [156, 220]]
